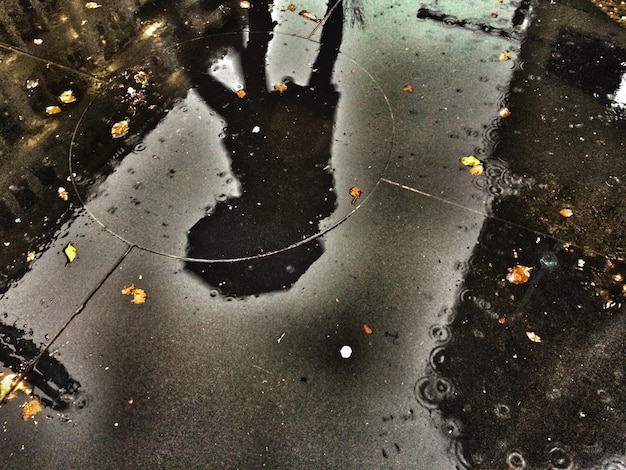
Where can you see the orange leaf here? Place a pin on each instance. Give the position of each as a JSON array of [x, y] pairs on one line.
[[367, 329]]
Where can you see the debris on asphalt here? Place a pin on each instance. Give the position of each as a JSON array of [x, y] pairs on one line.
[[518, 274]]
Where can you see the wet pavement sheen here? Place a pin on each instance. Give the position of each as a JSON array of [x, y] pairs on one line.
[[327, 284]]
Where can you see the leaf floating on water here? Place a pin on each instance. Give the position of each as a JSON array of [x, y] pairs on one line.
[[469, 160], [53, 110], [67, 97], [408, 88], [241, 93], [477, 170], [291, 7], [518, 274], [71, 252], [139, 295], [535, 338], [92, 5], [120, 129], [504, 56], [30, 256], [566, 212], [280, 87], [63, 194], [31, 408], [505, 113]]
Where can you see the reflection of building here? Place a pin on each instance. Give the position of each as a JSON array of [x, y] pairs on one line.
[[72, 33]]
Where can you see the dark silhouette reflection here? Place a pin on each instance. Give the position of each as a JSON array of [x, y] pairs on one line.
[[280, 145], [53, 386]]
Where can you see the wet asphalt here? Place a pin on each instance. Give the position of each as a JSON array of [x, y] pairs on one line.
[[327, 284]]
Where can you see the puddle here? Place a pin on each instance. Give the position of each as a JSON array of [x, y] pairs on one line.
[[204, 174]]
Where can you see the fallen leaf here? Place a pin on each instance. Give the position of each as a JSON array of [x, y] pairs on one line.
[[244, 4], [53, 110], [63, 193], [309, 16], [470, 160], [139, 295], [504, 56], [31, 408], [504, 113], [291, 7], [535, 338], [280, 87], [518, 274], [120, 129], [6, 384], [502, 320], [30, 256], [355, 192], [367, 329], [92, 5], [67, 97], [566, 212], [142, 78], [71, 252], [408, 88], [477, 170], [241, 93]]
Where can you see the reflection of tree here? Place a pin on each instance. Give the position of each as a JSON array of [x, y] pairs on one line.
[[283, 168]]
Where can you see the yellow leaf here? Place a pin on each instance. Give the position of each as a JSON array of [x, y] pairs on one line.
[[535, 338], [566, 212], [63, 193], [7, 381], [518, 274], [67, 97], [53, 110], [71, 252], [469, 160], [477, 170], [505, 112], [504, 56], [30, 256], [31, 408], [92, 5]]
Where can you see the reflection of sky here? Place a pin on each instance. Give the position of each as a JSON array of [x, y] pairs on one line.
[[228, 71], [618, 98], [173, 177]]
